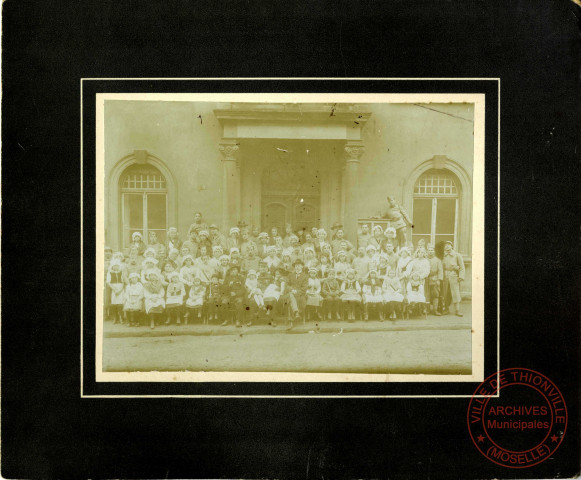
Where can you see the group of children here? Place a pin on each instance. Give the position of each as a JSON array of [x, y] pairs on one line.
[[223, 279]]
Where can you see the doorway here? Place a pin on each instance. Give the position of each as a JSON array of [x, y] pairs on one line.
[[291, 190], [300, 212]]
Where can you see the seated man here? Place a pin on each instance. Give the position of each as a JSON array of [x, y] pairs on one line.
[[297, 284]]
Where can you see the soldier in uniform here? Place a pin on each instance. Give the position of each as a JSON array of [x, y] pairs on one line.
[[453, 275]]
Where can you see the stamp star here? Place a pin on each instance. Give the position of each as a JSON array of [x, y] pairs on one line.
[[480, 438], [554, 438]]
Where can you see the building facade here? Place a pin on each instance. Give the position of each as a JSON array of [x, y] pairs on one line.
[[269, 164]]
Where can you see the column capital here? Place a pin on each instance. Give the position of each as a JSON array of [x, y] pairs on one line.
[[229, 150], [353, 151]]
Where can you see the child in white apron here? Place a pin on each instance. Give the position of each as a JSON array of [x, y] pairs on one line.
[[154, 294], [313, 294], [252, 289], [392, 295], [174, 299], [373, 294], [195, 301], [351, 296], [115, 283], [133, 299]]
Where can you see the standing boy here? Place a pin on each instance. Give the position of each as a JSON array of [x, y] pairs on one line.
[[434, 280]]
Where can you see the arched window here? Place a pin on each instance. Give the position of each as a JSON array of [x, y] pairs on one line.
[[435, 207], [143, 202]]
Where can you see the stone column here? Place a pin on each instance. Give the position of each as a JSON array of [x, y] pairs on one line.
[[353, 152], [324, 204], [238, 191], [335, 196], [250, 196], [230, 184]]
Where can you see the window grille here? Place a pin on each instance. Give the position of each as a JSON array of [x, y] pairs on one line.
[[144, 180], [436, 184]]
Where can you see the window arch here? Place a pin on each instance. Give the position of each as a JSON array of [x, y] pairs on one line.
[[143, 203], [435, 208], [419, 183], [137, 174]]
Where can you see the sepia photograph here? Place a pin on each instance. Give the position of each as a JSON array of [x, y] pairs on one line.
[[279, 237]]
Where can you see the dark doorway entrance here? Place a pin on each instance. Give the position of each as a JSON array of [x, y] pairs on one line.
[[278, 210], [291, 191]]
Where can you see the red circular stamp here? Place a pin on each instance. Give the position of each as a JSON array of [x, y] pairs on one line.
[[517, 418]]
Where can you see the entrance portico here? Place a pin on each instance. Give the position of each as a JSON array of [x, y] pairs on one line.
[[290, 163]]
